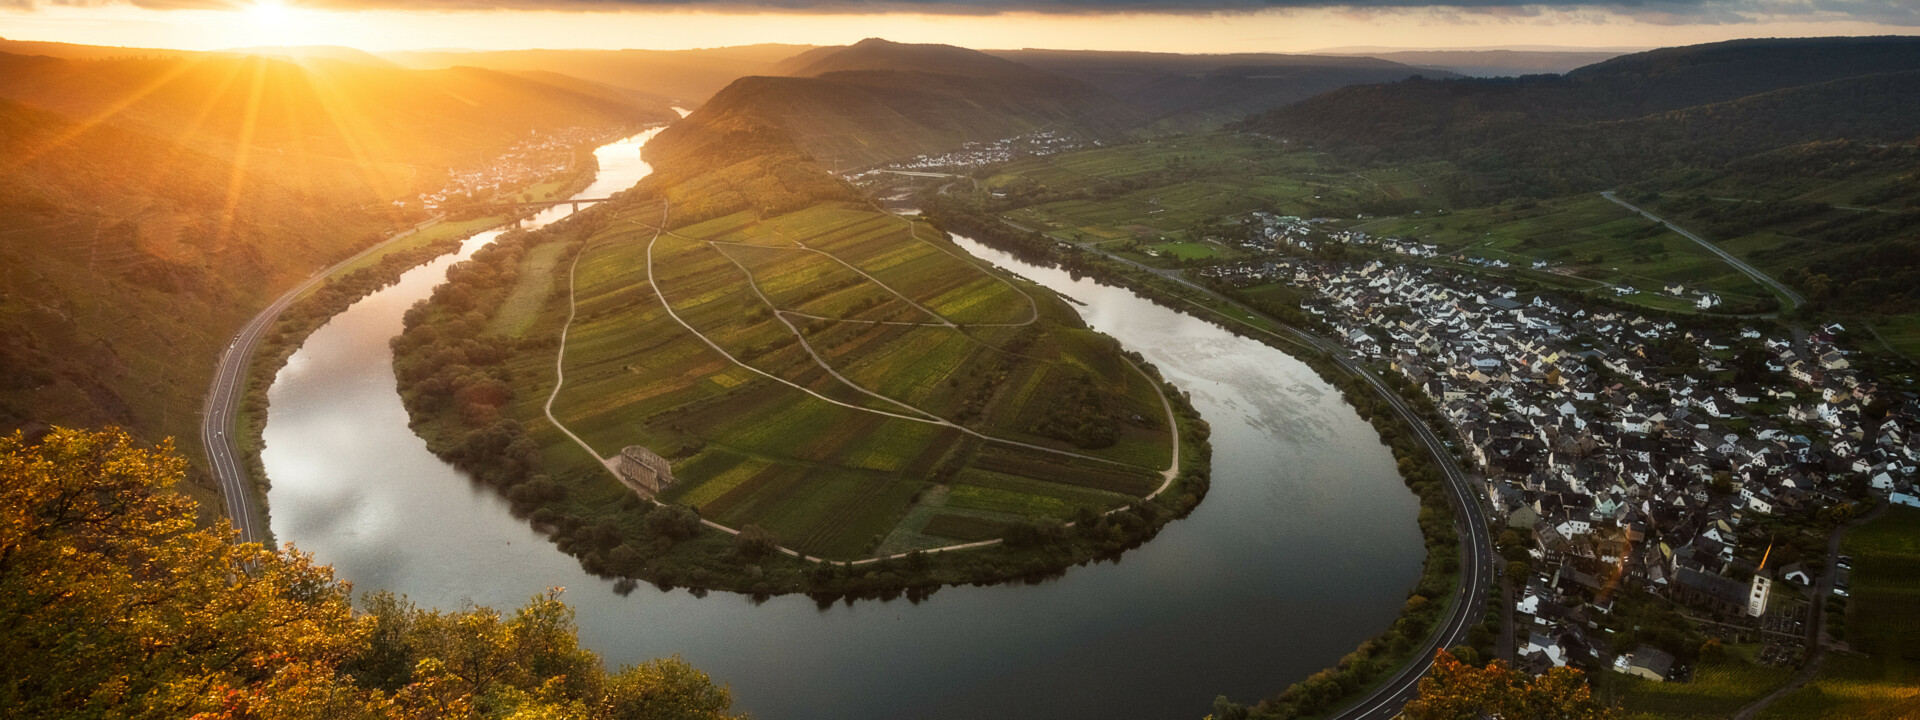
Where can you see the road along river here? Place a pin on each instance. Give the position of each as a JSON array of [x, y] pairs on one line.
[[1306, 545]]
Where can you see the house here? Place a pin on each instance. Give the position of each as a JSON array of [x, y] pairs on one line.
[[1646, 662], [1796, 573]]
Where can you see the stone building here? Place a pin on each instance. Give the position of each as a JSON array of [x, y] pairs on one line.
[[643, 470]]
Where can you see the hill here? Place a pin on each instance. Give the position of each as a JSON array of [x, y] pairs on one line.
[[887, 101], [151, 204], [1498, 63], [1796, 154], [1424, 118], [683, 77], [1202, 91]]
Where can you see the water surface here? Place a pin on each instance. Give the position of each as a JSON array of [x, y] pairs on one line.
[[1306, 545]]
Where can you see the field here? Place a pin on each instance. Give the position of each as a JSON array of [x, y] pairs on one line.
[[1881, 623], [1585, 237], [1165, 189], [1717, 690], [845, 379]]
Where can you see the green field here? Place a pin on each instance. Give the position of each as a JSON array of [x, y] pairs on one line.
[[1163, 189], [1717, 690], [1585, 237], [844, 379], [1882, 623]]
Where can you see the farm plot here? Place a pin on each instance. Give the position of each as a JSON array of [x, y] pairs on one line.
[[829, 467]]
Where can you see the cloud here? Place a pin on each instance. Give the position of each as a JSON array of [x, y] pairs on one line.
[[1660, 12]]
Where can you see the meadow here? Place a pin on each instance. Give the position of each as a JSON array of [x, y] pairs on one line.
[[1582, 236], [846, 380], [1164, 190]]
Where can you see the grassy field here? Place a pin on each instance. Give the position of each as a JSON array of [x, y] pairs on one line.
[[1163, 189], [1717, 690], [943, 366], [1882, 623], [1586, 236]]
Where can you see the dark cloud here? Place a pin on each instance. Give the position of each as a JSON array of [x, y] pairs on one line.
[[1892, 12]]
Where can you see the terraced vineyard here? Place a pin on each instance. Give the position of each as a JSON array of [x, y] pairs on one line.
[[845, 379]]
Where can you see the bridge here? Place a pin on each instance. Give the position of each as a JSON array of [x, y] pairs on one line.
[[575, 202]]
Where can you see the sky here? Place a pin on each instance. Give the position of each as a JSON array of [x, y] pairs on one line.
[[1159, 25]]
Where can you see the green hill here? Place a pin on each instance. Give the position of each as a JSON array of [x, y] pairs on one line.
[[1796, 154], [1202, 91], [1423, 118]]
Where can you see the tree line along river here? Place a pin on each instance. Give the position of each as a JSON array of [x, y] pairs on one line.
[[1306, 545]]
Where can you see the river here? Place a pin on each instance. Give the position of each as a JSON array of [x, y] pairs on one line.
[[1306, 545]]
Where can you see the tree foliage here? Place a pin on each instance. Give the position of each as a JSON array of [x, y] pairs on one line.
[[1454, 690], [117, 605]]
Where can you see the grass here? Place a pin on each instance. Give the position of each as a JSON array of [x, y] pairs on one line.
[[1717, 690], [1883, 683], [1583, 235], [532, 290], [826, 479], [1151, 190]]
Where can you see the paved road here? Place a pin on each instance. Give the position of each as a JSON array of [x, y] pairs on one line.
[[1794, 299], [1477, 556], [221, 410]]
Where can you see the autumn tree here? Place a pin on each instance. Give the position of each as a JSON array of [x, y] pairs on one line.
[[1453, 690], [116, 604]]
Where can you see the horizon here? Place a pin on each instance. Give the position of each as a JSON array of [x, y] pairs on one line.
[[1194, 28]]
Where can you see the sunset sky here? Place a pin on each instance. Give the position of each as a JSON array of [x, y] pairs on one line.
[[1166, 25]]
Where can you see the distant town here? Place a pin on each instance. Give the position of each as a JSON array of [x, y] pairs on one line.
[[541, 157]]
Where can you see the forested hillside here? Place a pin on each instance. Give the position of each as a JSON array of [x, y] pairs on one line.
[[1797, 153], [1180, 92], [116, 606], [887, 101], [150, 205]]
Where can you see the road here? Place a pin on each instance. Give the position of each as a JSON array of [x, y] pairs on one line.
[[1794, 299], [220, 411], [1476, 548]]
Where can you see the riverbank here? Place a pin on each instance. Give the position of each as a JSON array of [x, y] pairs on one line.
[[1371, 667], [341, 288]]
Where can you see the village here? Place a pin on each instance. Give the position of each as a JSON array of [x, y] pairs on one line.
[[1628, 455], [541, 157], [980, 154]]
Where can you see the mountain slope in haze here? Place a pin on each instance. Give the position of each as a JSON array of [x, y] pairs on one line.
[[1201, 91], [1425, 118], [1798, 154], [1498, 63], [149, 206], [683, 77], [325, 107], [867, 108]]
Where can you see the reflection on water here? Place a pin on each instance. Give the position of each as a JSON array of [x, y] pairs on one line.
[[1306, 545]]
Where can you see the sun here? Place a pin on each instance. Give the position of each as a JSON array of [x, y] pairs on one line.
[[273, 21]]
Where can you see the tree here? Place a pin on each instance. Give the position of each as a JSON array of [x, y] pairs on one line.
[[1453, 690], [117, 605]]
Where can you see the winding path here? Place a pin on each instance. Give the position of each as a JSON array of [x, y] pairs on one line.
[[1794, 299]]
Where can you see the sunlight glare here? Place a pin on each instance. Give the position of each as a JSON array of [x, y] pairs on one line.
[[274, 22]]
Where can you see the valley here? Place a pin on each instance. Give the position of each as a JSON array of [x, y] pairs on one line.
[[891, 379]]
